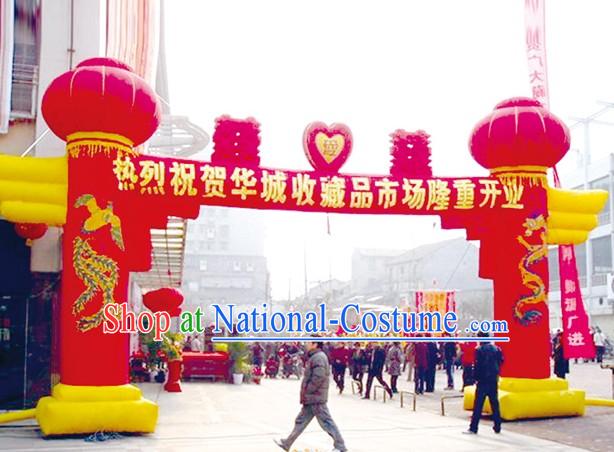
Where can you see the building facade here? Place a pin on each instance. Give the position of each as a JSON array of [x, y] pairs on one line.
[[595, 256], [369, 270], [224, 259]]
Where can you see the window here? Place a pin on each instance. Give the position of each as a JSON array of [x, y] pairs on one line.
[[193, 287], [372, 264], [249, 267], [210, 233], [553, 263], [602, 254], [236, 266], [581, 260], [203, 265], [224, 246], [25, 59], [603, 184], [224, 230]]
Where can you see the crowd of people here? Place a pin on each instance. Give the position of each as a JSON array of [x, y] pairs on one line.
[[322, 361], [367, 362]]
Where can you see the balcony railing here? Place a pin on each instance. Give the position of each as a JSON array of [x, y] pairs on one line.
[[600, 279]]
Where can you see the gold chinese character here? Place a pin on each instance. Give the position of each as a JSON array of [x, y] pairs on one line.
[[361, 196], [152, 172], [333, 191], [244, 181], [465, 194], [490, 192], [214, 178], [125, 172], [387, 193], [302, 189], [513, 192], [183, 178], [415, 194], [439, 194], [274, 186]]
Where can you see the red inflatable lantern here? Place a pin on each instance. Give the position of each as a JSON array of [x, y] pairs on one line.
[[520, 132], [111, 100], [165, 299], [30, 231]]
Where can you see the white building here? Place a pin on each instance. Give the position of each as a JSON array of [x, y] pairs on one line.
[[594, 257]]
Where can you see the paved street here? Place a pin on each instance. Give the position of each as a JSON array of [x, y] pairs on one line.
[[221, 417]]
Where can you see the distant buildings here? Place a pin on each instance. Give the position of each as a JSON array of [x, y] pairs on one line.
[[369, 272], [387, 278], [224, 260]]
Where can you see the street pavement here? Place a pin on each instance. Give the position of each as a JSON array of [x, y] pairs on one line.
[[221, 417]]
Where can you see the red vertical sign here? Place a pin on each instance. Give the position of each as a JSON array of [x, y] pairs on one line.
[[575, 321], [577, 342]]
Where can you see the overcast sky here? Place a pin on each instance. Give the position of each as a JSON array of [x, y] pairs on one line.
[[375, 66]]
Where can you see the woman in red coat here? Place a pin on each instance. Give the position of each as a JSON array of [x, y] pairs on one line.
[[468, 361], [421, 363]]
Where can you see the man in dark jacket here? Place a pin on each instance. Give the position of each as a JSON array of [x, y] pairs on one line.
[[376, 368], [488, 359], [314, 395], [432, 357]]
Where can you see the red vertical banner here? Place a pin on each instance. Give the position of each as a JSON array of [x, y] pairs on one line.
[[575, 321], [535, 36], [577, 342]]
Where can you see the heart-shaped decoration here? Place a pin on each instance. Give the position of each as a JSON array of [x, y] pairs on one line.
[[327, 147]]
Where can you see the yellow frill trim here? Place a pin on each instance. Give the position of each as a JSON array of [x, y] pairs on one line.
[[91, 143]]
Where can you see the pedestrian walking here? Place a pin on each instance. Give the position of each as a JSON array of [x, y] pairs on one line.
[[432, 357], [314, 398], [421, 365], [340, 360], [449, 355], [393, 365], [561, 365], [357, 365], [468, 362], [599, 340], [410, 360], [376, 368], [488, 359]]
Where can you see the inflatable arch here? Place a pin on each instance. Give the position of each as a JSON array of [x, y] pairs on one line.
[[107, 196]]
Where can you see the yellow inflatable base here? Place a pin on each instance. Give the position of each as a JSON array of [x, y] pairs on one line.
[[524, 398], [88, 409]]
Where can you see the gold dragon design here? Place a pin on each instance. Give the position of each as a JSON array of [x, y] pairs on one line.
[[99, 273], [535, 253]]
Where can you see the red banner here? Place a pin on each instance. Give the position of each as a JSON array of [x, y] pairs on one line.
[[535, 35], [577, 342]]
